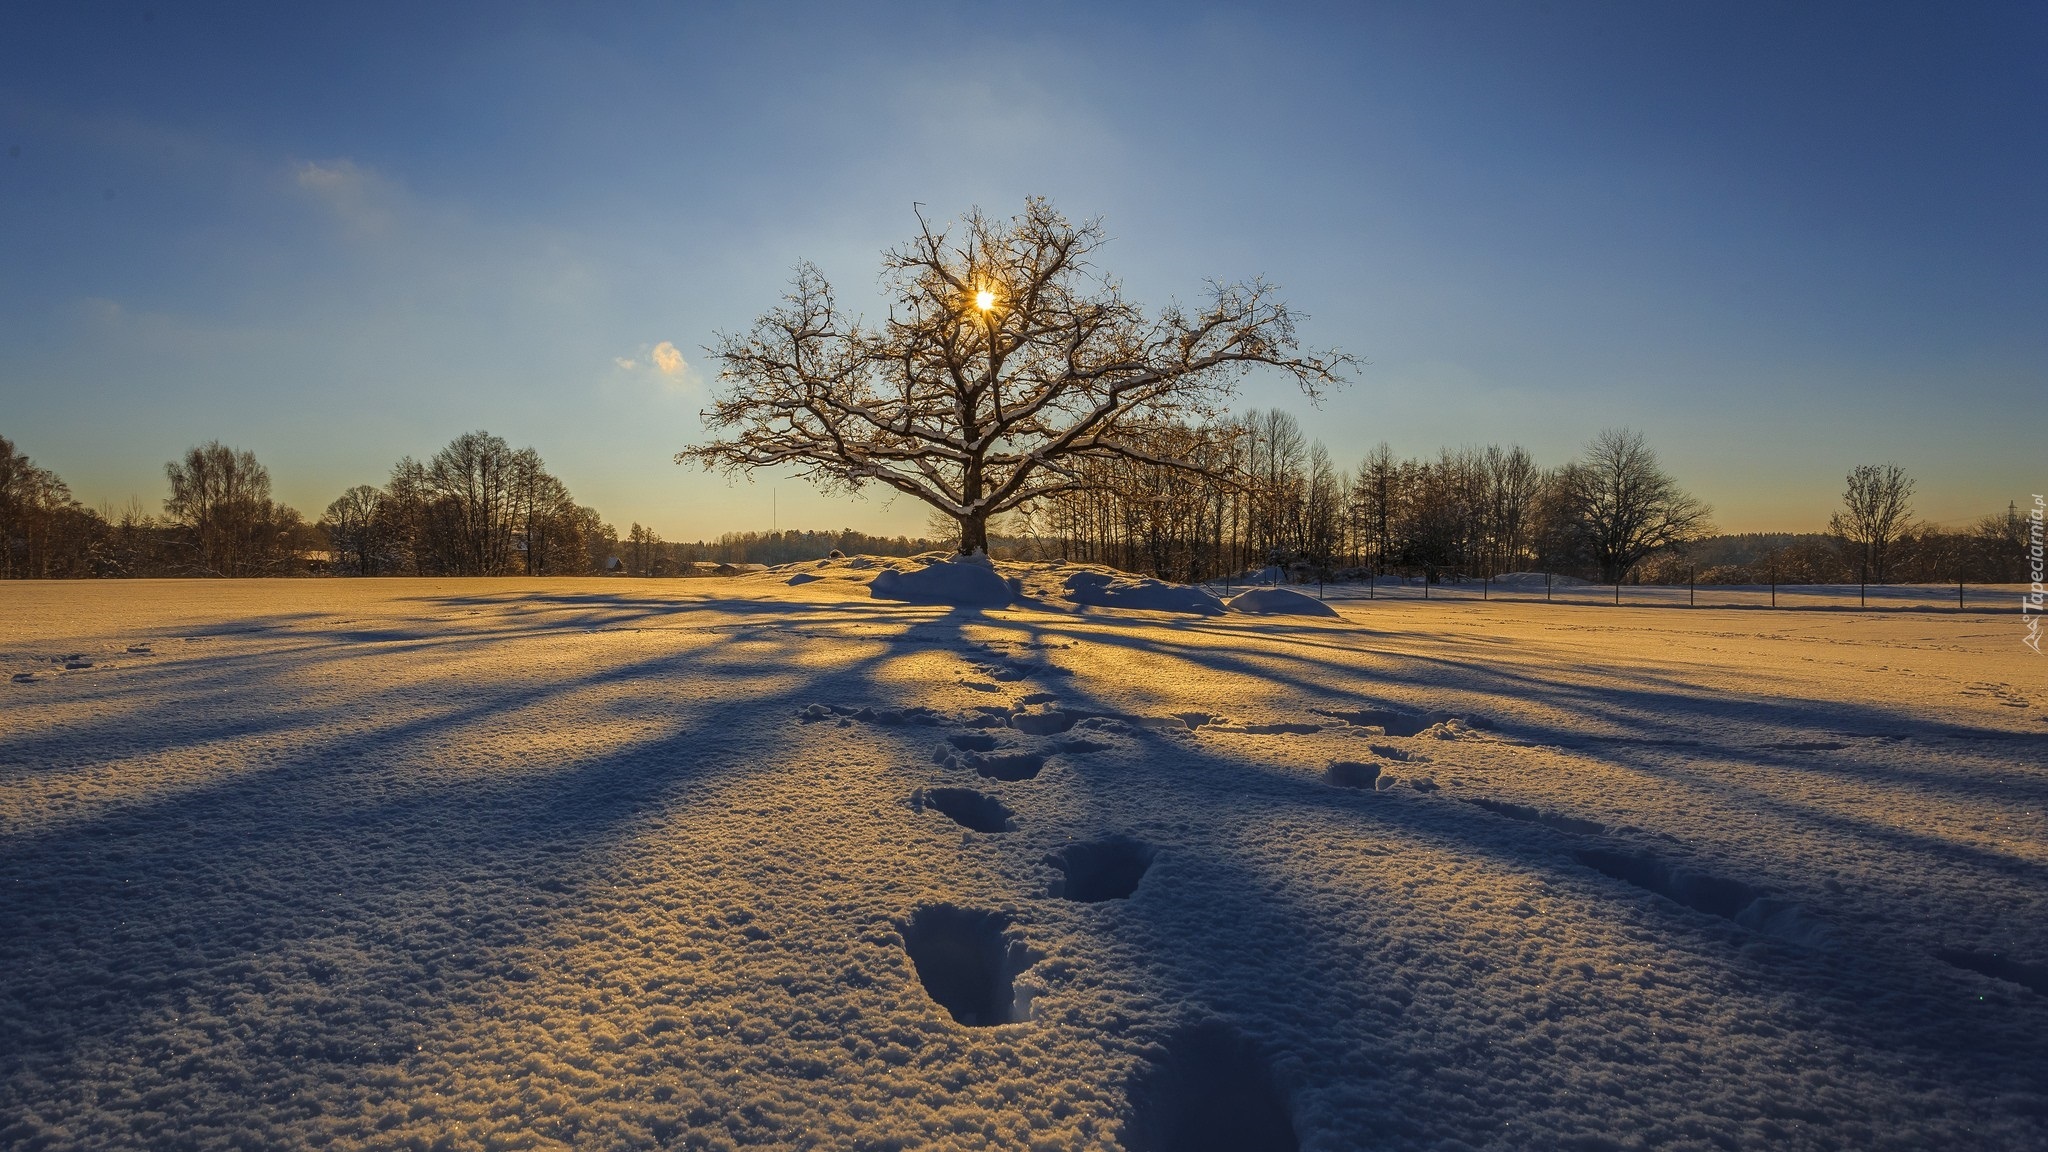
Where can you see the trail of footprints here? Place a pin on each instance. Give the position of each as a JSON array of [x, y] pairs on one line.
[[1208, 1087], [75, 662]]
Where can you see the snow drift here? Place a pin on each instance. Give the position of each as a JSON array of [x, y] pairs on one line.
[[1279, 602], [965, 581], [1141, 594]]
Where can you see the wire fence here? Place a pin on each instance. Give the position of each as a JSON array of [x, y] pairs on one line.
[[1986, 598]]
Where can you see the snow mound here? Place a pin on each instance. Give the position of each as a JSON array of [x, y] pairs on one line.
[[1143, 594], [1279, 602], [968, 581], [803, 578]]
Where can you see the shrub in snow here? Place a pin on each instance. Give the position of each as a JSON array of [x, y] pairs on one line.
[[1279, 602]]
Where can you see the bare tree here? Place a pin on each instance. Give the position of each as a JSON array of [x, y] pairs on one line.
[[1005, 361], [641, 544], [44, 531], [1321, 515], [1512, 481], [1876, 513], [1375, 498], [475, 474], [1623, 507], [354, 524], [220, 497], [1276, 454]]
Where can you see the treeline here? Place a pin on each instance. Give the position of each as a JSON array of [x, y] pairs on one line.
[[477, 508], [218, 520], [642, 552], [1266, 495], [1262, 494], [1990, 551]]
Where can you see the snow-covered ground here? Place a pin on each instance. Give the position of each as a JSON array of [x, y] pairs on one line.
[[611, 864]]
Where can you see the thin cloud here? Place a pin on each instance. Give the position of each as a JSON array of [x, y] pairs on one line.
[[356, 194]]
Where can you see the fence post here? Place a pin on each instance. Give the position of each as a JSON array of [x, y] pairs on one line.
[[1863, 586], [1486, 589], [1617, 590], [1546, 587], [1692, 586], [1774, 583], [1959, 592]]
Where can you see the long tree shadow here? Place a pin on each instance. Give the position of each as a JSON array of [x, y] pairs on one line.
[[127, 917], [1244, 941], [142, 914]]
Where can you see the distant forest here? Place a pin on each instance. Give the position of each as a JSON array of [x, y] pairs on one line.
[[1270, 497]]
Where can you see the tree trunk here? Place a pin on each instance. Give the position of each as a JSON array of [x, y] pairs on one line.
[[973, 534]]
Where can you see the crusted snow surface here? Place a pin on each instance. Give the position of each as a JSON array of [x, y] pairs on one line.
[[733, 864], [1278, 602]]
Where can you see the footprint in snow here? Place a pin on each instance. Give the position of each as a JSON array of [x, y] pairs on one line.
[[968, 964], [918, 716], [1529, 815], [1209, 1088], [1732, 900], [1099, 870], [1389, 752], [1998, 966], [975, 811], [1360, 774]]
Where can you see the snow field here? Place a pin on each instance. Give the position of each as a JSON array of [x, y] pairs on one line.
[[744, 864]]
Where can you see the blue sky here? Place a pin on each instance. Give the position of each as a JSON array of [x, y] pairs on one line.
[[1782, 240]]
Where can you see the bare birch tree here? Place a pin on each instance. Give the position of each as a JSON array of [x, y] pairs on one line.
[[1005, 361]]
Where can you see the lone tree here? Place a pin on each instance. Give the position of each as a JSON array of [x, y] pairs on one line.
[[1005, 363], [1875, 513], [1623, 507]]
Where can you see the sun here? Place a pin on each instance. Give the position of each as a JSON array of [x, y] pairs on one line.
[[984, 299]]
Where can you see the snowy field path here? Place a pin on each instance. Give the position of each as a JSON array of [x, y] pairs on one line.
[[634, 864]]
